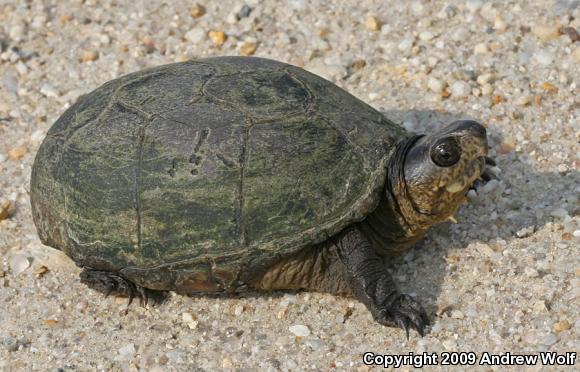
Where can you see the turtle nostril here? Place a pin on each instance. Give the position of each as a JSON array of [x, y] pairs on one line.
[[472, 127], [480, 129]]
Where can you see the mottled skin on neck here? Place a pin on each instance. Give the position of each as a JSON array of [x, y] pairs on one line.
[[418, 193]]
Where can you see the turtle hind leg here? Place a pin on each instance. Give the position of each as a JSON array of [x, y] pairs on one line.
[[108, 282]]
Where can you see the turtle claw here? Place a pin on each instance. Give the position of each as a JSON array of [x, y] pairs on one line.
[[403, 323], [406, 313]]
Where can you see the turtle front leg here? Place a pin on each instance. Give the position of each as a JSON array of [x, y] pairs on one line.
[[373, 285]]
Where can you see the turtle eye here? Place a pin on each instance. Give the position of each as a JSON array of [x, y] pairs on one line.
[[446, 152]]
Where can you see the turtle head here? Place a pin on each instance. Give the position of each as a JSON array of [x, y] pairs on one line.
[[438, 169]]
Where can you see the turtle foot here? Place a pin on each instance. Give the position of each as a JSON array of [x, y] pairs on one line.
[[406, 313], [111, 283]]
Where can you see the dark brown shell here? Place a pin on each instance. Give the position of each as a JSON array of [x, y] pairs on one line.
[[202, 167]]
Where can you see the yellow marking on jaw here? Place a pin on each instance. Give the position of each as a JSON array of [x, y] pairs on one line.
[[455, 187]]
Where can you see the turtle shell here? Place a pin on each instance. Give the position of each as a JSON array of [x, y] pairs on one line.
[[203, 168]]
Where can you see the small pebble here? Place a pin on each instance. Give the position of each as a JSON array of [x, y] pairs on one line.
[[238, 310], [449, 11], [484, 249], [127, 351], [576, 54], [546, 32], [189, 320], [531, 272], [563, 78], [232, 18], [89, 56], [195, 35], [539, 307], [549, 87], [544, 57], [561, 326], [460, 89], [5, 209], [487, 89], [576, 233], [481, 48], [417, 8], [572, 33], [82, 306], [40, 271], [426, 36], [245, 11], [37, 136], [405, 44], [227, 363], [523, 101], [300, 330], [282, 314], [499, 24], [485, 78], [149, 45], [474, 5], [19, 263], [373, 23], [17, 153], [218, 37], [507, 145], [197, 11], [436, 85], [248, 48], [48, 90]]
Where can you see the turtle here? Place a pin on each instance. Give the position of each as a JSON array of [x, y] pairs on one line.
[[232, 174]]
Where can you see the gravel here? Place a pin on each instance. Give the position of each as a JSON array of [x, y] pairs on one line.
[[300, 330], [508, 273], [460, 89]]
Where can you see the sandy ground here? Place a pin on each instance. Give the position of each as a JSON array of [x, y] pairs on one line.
[[506, 278]]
